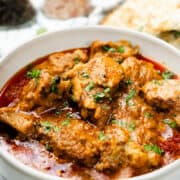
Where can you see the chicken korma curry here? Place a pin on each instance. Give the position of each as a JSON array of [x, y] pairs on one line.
[[102, 112]]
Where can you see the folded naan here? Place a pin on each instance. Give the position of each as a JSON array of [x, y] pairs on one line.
[[157, 17]]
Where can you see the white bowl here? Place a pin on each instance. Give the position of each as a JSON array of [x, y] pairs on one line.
[[150, 47]]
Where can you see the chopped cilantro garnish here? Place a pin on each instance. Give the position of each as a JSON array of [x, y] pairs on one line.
[[107, 90], [114, 121], [157, 82], [56, 129], [124, 124], [69, 115], [65, 79], [106, 47], [73, 98], [112, 50], [34, 73], [102, 136], [98, 96], [47, 127], [120, 49], [89, 87], [58, 112], [48, 147], [54, 89], [65, 104], [85, 75], [154, 148], [66, 122], [130, 95], [167, 75], [54, 82], [76, 60], [172, 124], [129, 82], [45, 124], [131, 127], [148, 115], [119, 123]]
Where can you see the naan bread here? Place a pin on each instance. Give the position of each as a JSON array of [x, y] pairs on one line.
[[151, 16]]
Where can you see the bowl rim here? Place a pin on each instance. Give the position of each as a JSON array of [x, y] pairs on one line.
[[32, 172]]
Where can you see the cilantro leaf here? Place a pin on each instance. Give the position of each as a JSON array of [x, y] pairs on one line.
[[167, 75], [172, 124], [120, 49], [98, 96], [154, 148], [76, 60], [66, 122], [130, 95], [34, 73], [90, 86], [102, 136], [85, 75]]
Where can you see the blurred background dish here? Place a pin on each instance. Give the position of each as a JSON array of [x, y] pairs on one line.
[[65, 9], [160, 18], [14, 12], [50, 15], [27, 19]]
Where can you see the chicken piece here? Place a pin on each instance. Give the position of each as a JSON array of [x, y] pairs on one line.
[[66, 9], [74, 138], [139, 72], [94, 104], [136, 116], [136, 155], [59, 63], [71, 138], [117, 50], [105, 71], [118, 150], [164, 94], [113, 141], [43, 90], [154, 159], [93, 84], [47, 84], [19, 120], [14, 12]]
